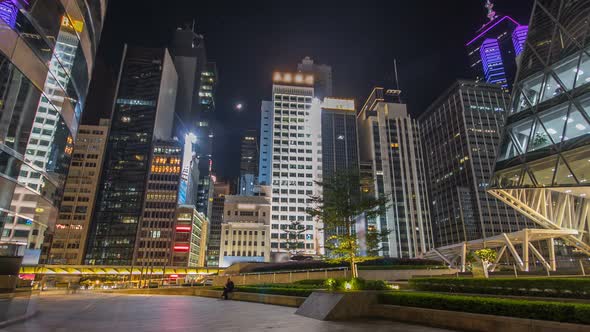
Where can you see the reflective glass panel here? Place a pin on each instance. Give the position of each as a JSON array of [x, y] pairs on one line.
[[531, 89], [509, 178], [552, 89], [576, 125], [554, 122], [563, 176], [584, 71], [566, 70], [543, 170], [579, 162]]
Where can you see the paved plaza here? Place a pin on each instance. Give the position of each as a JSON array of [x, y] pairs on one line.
[[134, 313]]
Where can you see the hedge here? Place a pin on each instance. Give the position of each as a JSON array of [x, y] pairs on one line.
[[548, 287], [553, 311], [315, 282], [401, 267], [275, 291]]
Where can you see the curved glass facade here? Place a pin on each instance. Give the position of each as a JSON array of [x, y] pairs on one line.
[[543, 165], [47, 50]]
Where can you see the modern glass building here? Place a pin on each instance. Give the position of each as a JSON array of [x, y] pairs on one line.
[[144, 111], [339, 136], [248, 163], [195, 107], [494, 48], [221, 190], [543, 164], [461, 132], [47, 51]]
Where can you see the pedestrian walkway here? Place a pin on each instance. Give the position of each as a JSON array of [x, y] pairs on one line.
[[107, 312]]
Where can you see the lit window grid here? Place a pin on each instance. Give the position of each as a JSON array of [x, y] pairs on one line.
[[305, 104]]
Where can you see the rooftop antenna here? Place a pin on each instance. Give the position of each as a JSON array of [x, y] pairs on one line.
[[491, 13], [395, 73]]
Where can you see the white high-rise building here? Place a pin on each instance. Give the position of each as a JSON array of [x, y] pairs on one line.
[[290, 162]]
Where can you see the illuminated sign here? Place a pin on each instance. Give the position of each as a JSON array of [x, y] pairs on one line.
[[187, 159], [295, 79], [72, 24], [338, 104], [181, 248], [183, 228]]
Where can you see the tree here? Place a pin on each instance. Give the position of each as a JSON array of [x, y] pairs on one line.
[[345, 196], [374, 240], [294, 233], [487, 257]]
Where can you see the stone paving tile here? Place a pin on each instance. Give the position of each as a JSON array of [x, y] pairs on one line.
[[135, 313]]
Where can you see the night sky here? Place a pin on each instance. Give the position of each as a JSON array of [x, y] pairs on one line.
[[251, 39]]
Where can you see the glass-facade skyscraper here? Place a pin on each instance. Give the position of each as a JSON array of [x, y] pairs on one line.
[[543, 164], [47, 52], [144, 111], [339, 136], [195, 108], [460, 133], [248, 163], [494, 49]]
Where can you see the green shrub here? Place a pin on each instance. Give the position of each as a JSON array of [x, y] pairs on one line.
[[314, 282], [548, 287], [554, 311], [355, 284], [400, 267], [382, 261]]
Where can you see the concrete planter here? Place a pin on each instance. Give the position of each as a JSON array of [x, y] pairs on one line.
[[469, 322]]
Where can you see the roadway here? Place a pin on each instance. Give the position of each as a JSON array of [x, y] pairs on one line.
[[115, 312]]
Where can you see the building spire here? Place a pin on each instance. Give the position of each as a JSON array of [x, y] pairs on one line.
[[491, 13]]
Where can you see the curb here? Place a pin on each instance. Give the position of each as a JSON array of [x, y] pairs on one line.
[[18, 319]]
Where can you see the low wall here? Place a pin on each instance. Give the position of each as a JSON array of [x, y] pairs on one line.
[[279, 277], [289, 277], [393, 275], [464, 321], [282, 300], [17, 306]]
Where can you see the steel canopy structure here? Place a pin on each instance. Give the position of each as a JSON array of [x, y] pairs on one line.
[[506, 243]]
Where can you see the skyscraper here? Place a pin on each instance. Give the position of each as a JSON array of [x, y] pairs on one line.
[[221, 189], [322, 75], [494, 48], [292, 129], [46, 60], [195, 106], [339, 136], [75, 214], [542, 169], [389, 141], [248, 163], [144, 111], [460, 133], [156, 229], [266, 127]]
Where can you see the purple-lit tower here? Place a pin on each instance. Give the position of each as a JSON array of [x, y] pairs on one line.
[[493, 51], [8, 12]]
